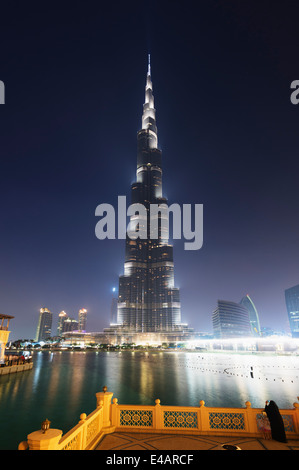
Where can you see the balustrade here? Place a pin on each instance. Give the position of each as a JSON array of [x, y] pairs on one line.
[[110, 417]]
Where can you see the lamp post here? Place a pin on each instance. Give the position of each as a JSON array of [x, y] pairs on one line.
[[45, 425]]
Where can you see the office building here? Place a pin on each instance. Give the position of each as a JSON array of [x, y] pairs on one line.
[[292, 304], [230, 320], [69, 324], [61, 318], [82, 319], [44, 327]]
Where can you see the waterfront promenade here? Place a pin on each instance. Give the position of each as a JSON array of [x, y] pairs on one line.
[[120, 441]]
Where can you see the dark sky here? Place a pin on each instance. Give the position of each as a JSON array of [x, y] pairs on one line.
[[74, 75]]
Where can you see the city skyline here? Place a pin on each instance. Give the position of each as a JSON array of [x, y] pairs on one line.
[[227, 130]]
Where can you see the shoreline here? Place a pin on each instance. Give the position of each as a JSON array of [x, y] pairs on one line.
[[157, 350]]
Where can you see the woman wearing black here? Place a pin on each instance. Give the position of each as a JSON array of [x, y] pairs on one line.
[[276, 421]]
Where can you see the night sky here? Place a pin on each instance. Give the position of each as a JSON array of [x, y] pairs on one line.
[[74, 75]]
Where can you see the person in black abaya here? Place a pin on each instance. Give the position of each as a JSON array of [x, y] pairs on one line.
[[276, 422]]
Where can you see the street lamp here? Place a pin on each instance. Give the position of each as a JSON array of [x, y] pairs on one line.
[[45, 425]]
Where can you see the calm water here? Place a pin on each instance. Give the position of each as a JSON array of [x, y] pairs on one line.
[[62, 385]]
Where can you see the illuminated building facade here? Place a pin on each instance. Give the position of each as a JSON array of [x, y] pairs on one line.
[[82, 319], [292, 303], [253, 315], [148, 301], [69, 324], [231, 320], [61, 319], [44, 326]]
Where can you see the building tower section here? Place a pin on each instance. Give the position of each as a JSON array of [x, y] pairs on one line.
[[148, 301]]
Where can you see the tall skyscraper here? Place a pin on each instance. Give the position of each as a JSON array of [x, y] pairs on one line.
[[44, 326], [292, 303], [230, 320], [253, 315], [61, 319], [82, 319], [148, 300]]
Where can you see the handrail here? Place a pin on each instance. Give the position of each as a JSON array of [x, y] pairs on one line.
[[109, 417]]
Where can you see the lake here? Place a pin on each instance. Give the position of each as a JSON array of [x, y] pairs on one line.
[[63, 384]]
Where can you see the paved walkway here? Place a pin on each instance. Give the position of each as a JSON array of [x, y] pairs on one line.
[[138, 441]]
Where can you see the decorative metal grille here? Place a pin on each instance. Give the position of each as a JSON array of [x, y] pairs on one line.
[[227, 421], [180, 419], [288, 423], [136, 418]]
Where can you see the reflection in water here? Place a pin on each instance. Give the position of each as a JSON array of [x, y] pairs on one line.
[[62, 385]]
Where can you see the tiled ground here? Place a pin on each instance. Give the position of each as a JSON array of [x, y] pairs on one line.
[[147, 441]]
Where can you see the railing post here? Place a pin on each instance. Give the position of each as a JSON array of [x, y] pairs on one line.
[[114, 414], [105, 397], [203, 417], [157, 416], [251, 419], [38, 440], [83, 434]]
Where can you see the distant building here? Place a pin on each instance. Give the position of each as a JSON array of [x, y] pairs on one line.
[[292, 304], [253, 315], [69, 324], [230, 320], [82, 319], [61, 319], [113, 311], [44, 327]]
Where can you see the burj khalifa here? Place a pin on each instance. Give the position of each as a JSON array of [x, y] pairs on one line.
[[148, 301]]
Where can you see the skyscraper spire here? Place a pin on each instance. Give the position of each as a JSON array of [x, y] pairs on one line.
[[149, 112]]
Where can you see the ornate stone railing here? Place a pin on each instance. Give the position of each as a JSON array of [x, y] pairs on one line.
[[83, 435], [199, 420], [110, 417]]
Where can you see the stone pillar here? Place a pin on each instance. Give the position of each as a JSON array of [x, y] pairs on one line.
[[105, 397], [203, 417], [158, 416], [38, 440], [114, 414]]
